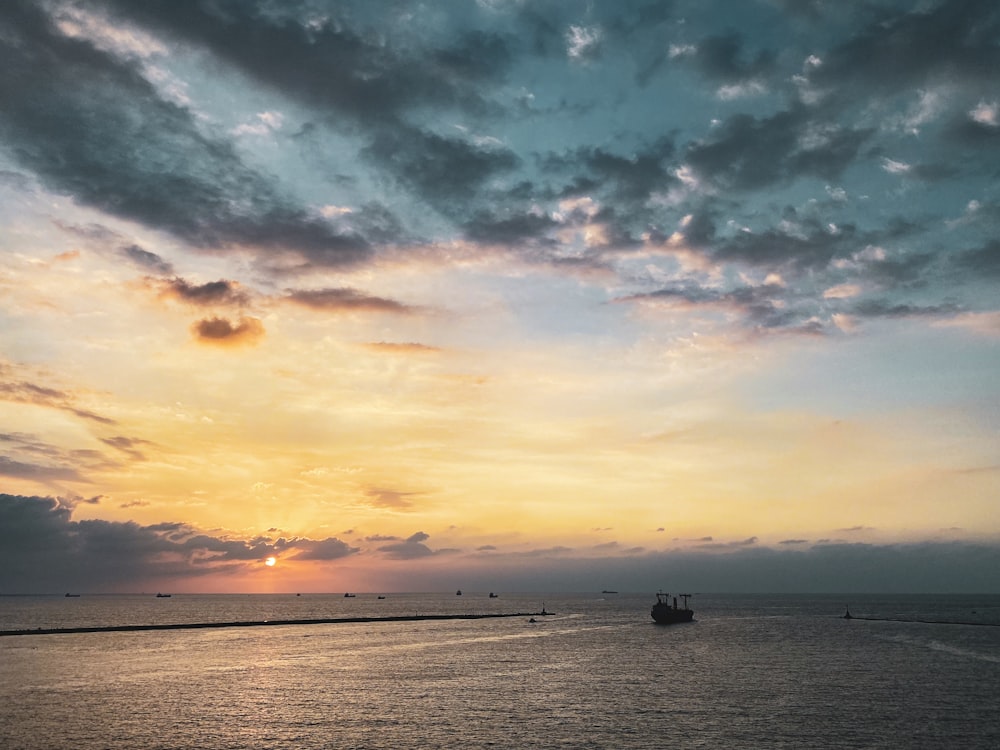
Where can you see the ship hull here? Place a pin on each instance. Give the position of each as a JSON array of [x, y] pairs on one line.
[[668, 616]]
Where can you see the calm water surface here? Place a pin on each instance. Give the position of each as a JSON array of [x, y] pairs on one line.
[[752, 671]]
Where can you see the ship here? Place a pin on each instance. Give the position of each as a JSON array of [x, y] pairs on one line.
[[666, 614]]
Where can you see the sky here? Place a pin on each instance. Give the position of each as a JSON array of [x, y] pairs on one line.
[[499, 295]]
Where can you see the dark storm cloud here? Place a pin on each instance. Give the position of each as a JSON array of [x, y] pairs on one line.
[[623, 183], [341, 62], [43, 550], [948, 42], [807, 243], [722, 58], [438, 168], [630, 178], [905, 270], [970, 133], [931, 172], [89, 125], [982, 261], [810, 10], [812, 246], [510, 228], [344, 299], [346, 67], [545, 25], [746, 152]]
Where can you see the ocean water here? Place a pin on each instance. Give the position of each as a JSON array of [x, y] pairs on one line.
[[750, 672]]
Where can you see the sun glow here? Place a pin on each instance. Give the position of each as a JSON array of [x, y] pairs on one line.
[[269, 562]]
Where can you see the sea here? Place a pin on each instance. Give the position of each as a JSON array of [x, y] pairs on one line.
[[751, 671]]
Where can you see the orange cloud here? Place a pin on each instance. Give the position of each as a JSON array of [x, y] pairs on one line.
[[221, 331]]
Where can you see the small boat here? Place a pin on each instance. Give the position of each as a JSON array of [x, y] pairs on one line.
[[72, 596], [163, 596], [348, 596], [458, 593], [492, 595], [665, 614], [608, 591], [380, 597]]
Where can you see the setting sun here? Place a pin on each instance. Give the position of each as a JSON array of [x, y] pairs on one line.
[[269, 562]]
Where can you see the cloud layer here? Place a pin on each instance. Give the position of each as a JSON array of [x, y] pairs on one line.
[[496, 275]]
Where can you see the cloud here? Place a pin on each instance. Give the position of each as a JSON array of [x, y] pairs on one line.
[[391, 347], [759, 307], [88, 123], [25, 392], [876, 308], [796, 567], [147, 260], [381, 497], [712, 545], [337, 68], [324, 549], [128, 446], [583, 43], [344, 299], [437, 168], [746, 152], [984, 323], [411, 549], [951, 41], [510, 228], [721, 58], [28, 457], [631, 178], [221, 292], [221, 331], [982, 261], [43, 550], [38, 472], [333, 62]]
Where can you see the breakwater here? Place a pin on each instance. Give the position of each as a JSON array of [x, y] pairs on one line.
[[849, 616], [264, 623]]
